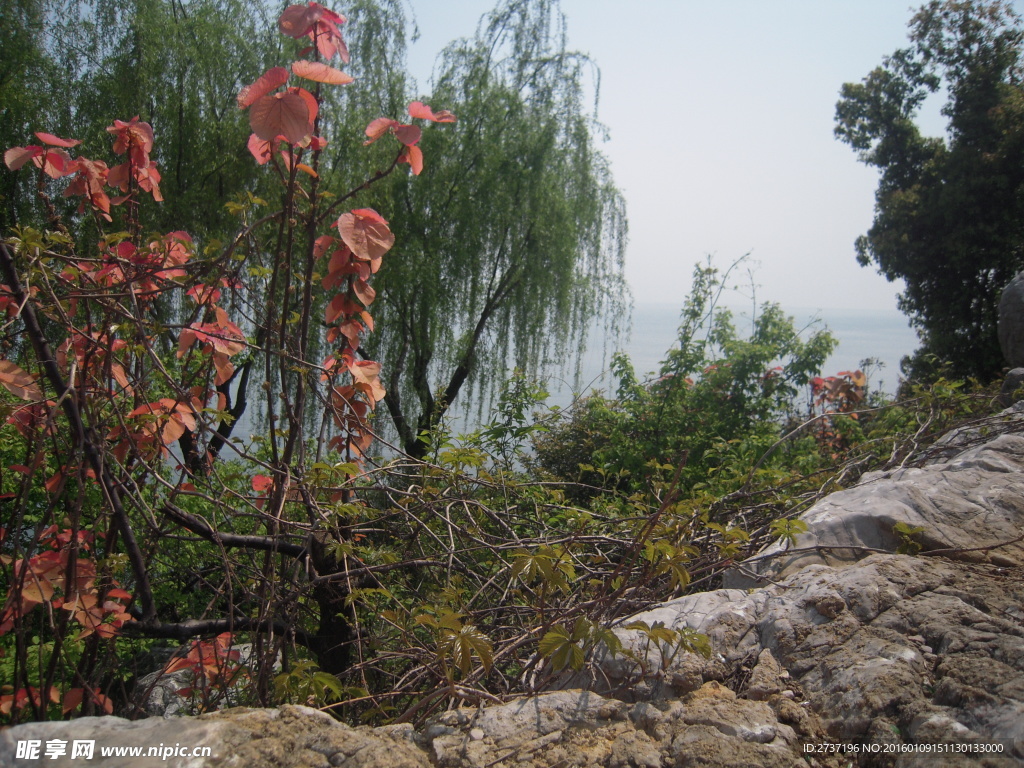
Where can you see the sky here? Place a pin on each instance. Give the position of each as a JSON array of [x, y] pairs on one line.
[[720, 117]]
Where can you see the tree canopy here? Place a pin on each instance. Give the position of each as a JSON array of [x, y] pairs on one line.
[[949, 210], [514, 227], [512, 239]]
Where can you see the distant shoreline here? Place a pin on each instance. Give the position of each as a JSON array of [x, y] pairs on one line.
[[883, 335]]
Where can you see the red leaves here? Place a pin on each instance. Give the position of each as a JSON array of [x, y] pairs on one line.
[[366, 375], [73, 699], [414, 157], [213, 663], [420, 110], [18, 382], [136, 139], [166, 419], [221, 338], [288, 115], [270, 80], [54, 162], [49, 138], [321, 73], [39, 578], [318, 23], [90, 178], [408, 135], [365, 238], [281, 114], [25, 697], [133, 137], [366, 232]]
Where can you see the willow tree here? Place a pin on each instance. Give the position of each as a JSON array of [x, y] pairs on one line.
[[177, 65], [27, 77], [511, 241]]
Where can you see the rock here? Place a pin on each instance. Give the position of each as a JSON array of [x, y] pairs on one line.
[[970, 506], [919, 642], [1011, 322], [157, 694], [1012, 383], [289, 737]]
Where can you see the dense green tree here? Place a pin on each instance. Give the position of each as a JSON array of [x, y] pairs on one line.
[[949, 211], [27, 81], [71, 66], [716, 405]]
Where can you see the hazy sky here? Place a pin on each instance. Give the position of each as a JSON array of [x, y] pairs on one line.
[[720, 117]]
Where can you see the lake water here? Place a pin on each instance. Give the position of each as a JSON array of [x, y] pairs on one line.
[[882, 335]]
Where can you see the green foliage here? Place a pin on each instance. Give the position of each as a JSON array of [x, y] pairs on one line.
[[306, 684], [788, 530], [909, 545], [948, 209], [718, 398]]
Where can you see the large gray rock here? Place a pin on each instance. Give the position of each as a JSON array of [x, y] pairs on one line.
[[930, 649], [1013, 384], [970, 507], [1011, 322]]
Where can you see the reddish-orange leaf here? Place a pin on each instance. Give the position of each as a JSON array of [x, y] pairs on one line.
[[336, 308], [54, 162], [414, 157], [297, 20], [261, 149], [312, 105], [364, 292], [408, 134], [320, 73], [268, 81], [366, 374], [305, 169], [72, 699], [49, 138], [15, 157], [285, 114], [366, 233], [322, 245], [420, 110], [225, 370], [36, 591], [378, 128], [19, 382], [185, 340], [262, 483]]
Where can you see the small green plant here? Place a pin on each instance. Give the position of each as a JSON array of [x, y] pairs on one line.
[[909, 545], [457, 643], [669, 642], [788, 529], [569, 648], [306, 684]]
